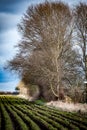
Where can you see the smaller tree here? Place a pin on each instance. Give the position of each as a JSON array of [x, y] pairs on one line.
[[17, 89], [81, 31]]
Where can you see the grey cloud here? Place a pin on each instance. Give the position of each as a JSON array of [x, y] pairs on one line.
[[8, 21], [16, 6], [10, 5]]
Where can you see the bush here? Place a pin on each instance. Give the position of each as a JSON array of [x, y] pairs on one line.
[[39, 102]]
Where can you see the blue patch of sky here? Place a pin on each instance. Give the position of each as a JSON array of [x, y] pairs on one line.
[[10, 15], [6, 76]]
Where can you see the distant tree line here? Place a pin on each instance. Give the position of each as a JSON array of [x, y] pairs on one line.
[[8, 93], [52, 51]]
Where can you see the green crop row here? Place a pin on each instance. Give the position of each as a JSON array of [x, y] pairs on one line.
[[31, 123], [62, 121], [67, 115], [6, 119], [56, 118], [11, 99], [62, 116], [52, 119], [25, 115], [37, 119], [71, 121], [0, 118], [20, 123]]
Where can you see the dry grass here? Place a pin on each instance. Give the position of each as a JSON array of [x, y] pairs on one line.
[[68, 106], [23, 96]]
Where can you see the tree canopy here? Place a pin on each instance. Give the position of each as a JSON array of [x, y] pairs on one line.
[[46, 56]]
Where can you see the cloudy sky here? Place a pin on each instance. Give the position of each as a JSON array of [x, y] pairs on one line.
[[11, 12]]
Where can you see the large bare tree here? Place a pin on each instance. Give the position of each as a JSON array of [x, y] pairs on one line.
[[46, 52], [81, 30]]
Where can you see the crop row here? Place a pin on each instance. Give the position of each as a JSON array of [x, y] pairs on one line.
[[20, 114], [68, 115], [61, 118], [40, 121], [6, 122], [51, 117], [58, 118]]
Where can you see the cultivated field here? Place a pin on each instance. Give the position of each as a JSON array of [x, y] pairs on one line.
[[19, 114]]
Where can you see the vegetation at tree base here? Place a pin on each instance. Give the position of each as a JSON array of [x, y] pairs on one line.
[[20, 114], [48, 56]]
